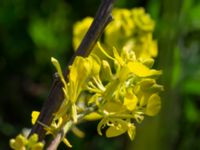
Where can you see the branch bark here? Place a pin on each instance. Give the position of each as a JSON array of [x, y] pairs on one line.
[[55, 98]]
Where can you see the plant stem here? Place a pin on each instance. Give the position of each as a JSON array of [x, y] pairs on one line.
[[58, 138], [67, 127], [55, 98]]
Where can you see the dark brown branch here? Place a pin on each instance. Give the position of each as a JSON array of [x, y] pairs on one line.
[[55, 98]]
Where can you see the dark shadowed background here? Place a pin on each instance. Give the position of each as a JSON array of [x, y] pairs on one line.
[[33, 31]]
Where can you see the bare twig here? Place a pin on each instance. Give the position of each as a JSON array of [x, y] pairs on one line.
[[55, 98]]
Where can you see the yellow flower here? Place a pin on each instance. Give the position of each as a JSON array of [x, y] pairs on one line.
[[117, 77], [19, 143], [22, 143], [116, 127], [142, 20]]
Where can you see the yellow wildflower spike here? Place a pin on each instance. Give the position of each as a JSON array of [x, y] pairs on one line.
[[34, 116]]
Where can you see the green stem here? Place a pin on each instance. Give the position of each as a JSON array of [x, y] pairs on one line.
[[67, 127], [58, 138]]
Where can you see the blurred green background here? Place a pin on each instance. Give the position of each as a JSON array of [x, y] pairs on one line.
[[33, 31]]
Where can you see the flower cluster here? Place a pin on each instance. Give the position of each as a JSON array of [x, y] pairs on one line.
[[115, 83], [23, 143], [122, 83], [131, 29]]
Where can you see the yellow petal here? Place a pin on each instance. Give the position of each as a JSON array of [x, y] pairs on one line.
[[118, 128], [153, 105], [104, 51], [18, 143], [79, 73], [117, 57], [113, 107], [78, 132], [154, 48], [114, 131], [59, 70], [131, 131], [148, 62], [101, 125], [93, 116], [130, 101], [33, 139], [67, 142], [106, 73], [38, 146], [34, 116], [141, 70], [12, 143]]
